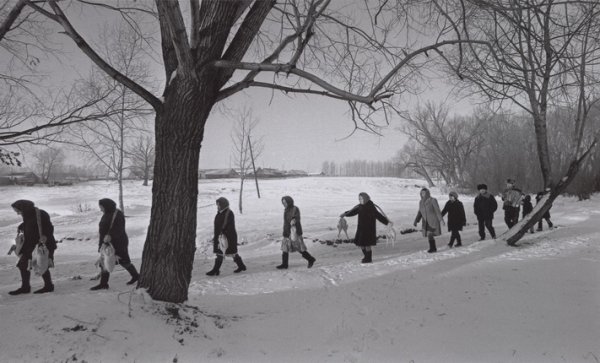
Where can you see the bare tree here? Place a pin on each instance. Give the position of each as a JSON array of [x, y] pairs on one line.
[[364, 54], [141, 156], [445, 144], [410, 157], [47, 160], [107, 141], [538, 54], [243, 141]]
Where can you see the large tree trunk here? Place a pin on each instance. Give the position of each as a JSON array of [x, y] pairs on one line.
[[541, 135], [513, 235], [168, 256]]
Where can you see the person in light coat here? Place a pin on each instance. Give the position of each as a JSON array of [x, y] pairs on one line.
[[431, 218]]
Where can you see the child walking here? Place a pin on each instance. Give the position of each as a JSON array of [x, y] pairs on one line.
[[456, 218]]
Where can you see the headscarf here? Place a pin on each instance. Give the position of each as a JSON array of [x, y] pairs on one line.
[[453, 194], [365, 196], [427, 193], [24, 206], [288, 200], [223, 203], [109, 205]]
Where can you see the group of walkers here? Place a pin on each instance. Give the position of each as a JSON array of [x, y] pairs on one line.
[[37, 229]]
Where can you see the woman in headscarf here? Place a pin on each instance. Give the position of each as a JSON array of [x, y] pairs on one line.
[[225, 225], [366, 231], [429, 213], [112, 230], [32, 237], [292, 242]]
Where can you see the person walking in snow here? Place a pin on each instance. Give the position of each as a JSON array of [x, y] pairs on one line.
[[431, 216], [225, 238], [112, 231], [527, 208], [31, 238], [484, 207], [456, 218], [546, 215], [366, 231], [292, 234], [512, 202]]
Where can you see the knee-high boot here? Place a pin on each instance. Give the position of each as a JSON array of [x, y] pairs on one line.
[[432, 247], [240, 264], [284, 261], [368, 256], [215, 271], [25, 287], [135, 276], [311, 260], [103, 281], [48, 286]]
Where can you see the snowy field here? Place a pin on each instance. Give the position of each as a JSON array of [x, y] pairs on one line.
[[484, 302]]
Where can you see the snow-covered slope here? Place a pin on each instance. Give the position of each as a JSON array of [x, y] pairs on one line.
[[484, 302]]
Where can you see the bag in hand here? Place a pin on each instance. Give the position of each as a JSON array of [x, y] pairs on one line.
[[108, 257], [40, 261], [293, 234], [223, 242], [19, 242]]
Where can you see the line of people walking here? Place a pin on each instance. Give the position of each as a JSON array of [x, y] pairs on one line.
[[37, 229]]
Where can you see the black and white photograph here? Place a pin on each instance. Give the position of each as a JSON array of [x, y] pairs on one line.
[[300, 181]]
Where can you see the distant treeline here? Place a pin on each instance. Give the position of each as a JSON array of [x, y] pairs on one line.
[[366, 168]]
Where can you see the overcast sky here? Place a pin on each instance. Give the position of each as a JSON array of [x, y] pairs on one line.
[[300, 132]]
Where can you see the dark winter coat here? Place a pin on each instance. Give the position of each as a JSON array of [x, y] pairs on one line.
[[366, 231], [118, 236], [456, 215], [484, 206], [527, 206], [225, 224], [291, 213], [30, 230], [538, 197]]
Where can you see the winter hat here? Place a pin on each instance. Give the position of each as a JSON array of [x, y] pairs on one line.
[[481, 186], [288, 201], [527, 198], [23, 205], [222, 203], [427, 193], [453, 194], [365, 196], [510, 181], [109, 205]]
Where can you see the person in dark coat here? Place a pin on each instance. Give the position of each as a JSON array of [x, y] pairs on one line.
[[546, 215], [112, 230], [225, 225], [484, 207], [456, 218], [32, 238], [366, 231], [527, 208], [291, 218]]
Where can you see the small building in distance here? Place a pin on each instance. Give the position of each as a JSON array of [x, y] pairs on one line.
[[218, 173]]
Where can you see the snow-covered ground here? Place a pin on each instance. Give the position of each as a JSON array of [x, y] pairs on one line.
[[484, 302]]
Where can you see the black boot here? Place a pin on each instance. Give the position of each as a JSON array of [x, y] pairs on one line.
[[48, 285], [103, 281], [240, 264], [135, 276], [364, 259], [311, 260], [432, 247], [215, 270], [284, 261], [458, 240], [25, 287], [368, 257], [451, 243]]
